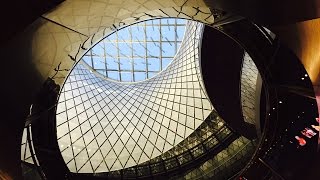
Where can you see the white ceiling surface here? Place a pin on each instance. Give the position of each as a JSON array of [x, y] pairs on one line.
[[91, 16], [110, 126]]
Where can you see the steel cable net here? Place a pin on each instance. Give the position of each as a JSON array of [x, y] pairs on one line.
[[249, 77], [211, 134], [226, 163], [104, 125]]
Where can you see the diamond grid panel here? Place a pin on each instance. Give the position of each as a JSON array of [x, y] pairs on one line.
[[221, 166], [248, 88], [211, 126], [115, 125], [25, 152]]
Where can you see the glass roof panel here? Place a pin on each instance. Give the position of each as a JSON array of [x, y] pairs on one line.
[[122, 125], [137, 52]]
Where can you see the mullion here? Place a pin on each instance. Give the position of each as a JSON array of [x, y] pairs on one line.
[[100, 133], [171, 108], [146, 47], [125, 70], [116, 126], [95, 136], [144, 25], [83, 111], [187, 146], [193, 95], [86, 114], [137, 56], [107, 137], [119, 136], [180, 96], [158, 133], [164, 115], [132, 60], [175, 36], [157, 92], [148, 115], [80, 137], [91, 58], [70, 145], [122, 132], [160, 30], [136, 41], [118, 51], [163, 25], [140, 95], [80, 95], [138, 129], [105, 58], [25, 147], [129, 133], [87, 78]]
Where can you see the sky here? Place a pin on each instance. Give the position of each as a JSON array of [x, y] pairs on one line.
[[139, 51]]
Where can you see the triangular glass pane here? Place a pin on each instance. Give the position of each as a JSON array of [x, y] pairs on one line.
[[96, 159], [102, 168], [81, 159], [86, 168], [72, 166]]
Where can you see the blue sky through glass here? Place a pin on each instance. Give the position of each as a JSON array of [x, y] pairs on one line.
[[139, 51]]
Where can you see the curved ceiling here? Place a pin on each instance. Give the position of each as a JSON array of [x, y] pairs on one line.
[[104, 125], [46, 46]]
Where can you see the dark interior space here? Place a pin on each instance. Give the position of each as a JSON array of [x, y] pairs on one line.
[[286, 107]]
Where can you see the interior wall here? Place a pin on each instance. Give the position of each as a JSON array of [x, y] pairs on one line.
[[271, 12], [303, 38], [17, 15], [27, 62]]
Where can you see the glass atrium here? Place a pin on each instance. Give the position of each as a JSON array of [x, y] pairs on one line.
[[139, 51]]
